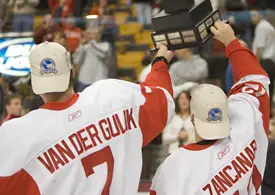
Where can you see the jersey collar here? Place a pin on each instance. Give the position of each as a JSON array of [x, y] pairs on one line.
[[61, 105], [198, 146]]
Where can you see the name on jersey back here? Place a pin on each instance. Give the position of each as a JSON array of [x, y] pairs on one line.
[[233, 172], [86, 138]]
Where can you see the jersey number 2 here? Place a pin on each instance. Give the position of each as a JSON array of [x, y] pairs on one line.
[[97, 158]]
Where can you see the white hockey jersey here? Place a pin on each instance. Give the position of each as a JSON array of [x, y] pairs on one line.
[[88, 145], [231, 166]]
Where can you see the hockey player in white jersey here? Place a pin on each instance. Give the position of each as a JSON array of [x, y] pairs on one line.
[[231, 133], [88, 143]]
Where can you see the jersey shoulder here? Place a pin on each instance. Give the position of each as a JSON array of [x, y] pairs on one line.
[[175, 162], [175, 166], [251, 94], [114, 92], [17, 137]]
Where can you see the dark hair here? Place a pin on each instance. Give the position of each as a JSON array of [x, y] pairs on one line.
[[177, 106], [9, 98], [7, 101]]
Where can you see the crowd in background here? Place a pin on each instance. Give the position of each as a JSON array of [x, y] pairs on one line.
[[92, 42]]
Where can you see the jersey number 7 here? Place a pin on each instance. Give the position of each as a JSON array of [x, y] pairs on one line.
[[97, 158]]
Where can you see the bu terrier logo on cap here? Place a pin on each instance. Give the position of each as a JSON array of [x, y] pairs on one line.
[[47, 66], [215, 114]]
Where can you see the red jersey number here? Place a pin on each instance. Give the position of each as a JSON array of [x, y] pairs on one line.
[[255, 89], [97, 158]]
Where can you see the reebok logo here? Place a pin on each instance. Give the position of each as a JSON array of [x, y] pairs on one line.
[[74, 115], [223, 152]]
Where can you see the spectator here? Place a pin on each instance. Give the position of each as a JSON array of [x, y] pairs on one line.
[[110, 28], [264, 38], [13, 108], [190, 67], [4, 13], [23, 14], [60, 8], [143, 11], [59, 37], [46, 31], [92, 57], [180, 130], [72, 33], [109, 34], [229, 79], [5, 86]]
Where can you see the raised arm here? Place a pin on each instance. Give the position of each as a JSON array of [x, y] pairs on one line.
[[157, 89], [159, 75], [244, 62], [251, 81]]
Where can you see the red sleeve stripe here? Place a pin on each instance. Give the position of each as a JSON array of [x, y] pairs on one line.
[[262, 79], [159, 77], [153, 114], [20, 183], [152, 192], [263, 98]]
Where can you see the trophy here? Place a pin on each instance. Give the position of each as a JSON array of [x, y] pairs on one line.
[[184, 24]]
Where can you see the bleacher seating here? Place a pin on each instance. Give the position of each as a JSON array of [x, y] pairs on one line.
[[121, 17], [144, 37], [130, 28]]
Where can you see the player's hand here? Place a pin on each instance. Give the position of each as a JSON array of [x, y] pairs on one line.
[[223, 32], [163, 51]]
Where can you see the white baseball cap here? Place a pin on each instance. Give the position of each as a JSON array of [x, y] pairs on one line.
[[50, 68], [209, 105]]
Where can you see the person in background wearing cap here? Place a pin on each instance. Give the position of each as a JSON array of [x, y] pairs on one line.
[[229, 155], [85, 143]]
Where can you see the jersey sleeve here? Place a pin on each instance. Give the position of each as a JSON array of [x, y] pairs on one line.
[[251, 81], [152, 99], [158, 109], [13, 178]]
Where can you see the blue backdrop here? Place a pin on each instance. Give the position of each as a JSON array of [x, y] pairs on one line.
[[14, 54]]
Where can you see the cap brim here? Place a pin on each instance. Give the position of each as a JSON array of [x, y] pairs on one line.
[[43, 85], [212, 131]]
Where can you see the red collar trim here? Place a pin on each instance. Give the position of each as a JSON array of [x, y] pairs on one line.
[[197, 147], [61, 105]]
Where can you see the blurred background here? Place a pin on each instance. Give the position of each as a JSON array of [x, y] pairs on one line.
[[111, 39]]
